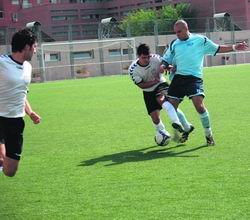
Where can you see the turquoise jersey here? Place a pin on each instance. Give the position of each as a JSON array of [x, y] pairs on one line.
[[188, 55]]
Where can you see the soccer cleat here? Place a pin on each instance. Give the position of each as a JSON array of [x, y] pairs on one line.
[[178, 127], [210, 140], [184, 136]]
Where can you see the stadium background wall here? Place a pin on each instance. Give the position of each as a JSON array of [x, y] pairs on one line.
[[74, 60]]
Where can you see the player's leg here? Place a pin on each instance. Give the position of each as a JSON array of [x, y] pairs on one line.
[[204, 117], [10, 166], [2, 147], [13, 138], [158, 124], [198, 102], [185, 123], [188, 127], [169, 105], [2, 154], [195, 92], [153, 109]]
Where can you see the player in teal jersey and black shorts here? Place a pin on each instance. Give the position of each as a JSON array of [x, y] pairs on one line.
[[186, 54]]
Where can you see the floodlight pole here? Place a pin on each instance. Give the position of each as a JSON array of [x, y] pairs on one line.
[[101, 56], [35, 26], [105, 29], [214, 12]]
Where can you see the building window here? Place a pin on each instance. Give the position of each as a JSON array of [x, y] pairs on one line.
[[15, 2], [114, 52], [14, 17], [81, 55], [55, 57], [27, 4], [72, 17], [1, 14], [120, 52], [58, 18], [60, 34], [86, 16], [52, 57], [127, 51], [68, 11], [60, 28]]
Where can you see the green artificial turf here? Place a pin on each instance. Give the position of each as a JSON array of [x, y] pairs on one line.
[[93, 156]]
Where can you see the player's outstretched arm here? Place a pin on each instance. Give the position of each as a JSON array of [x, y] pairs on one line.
[[229, 48]]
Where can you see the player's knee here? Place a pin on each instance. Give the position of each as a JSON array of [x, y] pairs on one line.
[[156, 121], [9, 173], [200, 109]]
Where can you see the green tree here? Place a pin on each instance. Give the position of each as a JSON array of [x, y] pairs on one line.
[[166, 18], [142, 22], [169, 14], [188, 13]]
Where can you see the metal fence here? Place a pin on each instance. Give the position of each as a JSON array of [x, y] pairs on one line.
[[114, 29], [158, 34]]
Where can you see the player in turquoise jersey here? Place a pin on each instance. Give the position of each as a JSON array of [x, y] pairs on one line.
[[186, 54]]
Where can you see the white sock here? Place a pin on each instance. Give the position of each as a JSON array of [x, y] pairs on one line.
[[160, 126], [169, 108], [208, 132]]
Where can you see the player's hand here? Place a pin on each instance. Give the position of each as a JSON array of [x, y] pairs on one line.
[[35, 117], [173, 69], [162, 69], [241, 46]]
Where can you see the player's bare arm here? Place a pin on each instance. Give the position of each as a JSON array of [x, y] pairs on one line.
[[229, 48], [33, 115], [144, 85]]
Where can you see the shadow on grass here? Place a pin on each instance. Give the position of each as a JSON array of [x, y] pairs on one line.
[[149, 153]]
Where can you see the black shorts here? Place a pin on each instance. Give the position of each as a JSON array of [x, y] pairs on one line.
[[182, 86], [11, 134], [150, 98]]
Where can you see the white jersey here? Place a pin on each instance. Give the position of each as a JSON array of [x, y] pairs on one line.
[[14, 81], [146, 73]]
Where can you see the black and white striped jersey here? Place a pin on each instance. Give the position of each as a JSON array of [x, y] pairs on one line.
[[146, 73]]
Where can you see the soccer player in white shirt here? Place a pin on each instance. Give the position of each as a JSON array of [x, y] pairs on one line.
[[146, 73], [15, 76], [186, 54]]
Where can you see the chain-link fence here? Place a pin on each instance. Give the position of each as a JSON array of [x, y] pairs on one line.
[[86, 31], [158, 34]]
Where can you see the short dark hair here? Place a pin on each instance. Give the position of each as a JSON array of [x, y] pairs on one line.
[[143, 49], [22, 38]]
